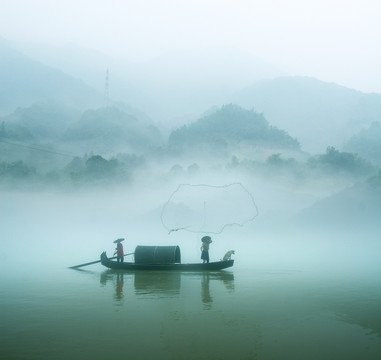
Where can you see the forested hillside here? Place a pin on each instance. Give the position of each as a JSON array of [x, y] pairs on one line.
[[228, 128], [318, 113], [109, 130]]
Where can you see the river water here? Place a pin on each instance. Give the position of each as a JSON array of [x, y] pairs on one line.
[[258, 314], [283, 306]]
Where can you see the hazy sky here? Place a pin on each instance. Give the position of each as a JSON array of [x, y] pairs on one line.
[[333, 40]]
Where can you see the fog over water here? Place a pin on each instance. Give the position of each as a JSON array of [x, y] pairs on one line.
[[306, 269], [160, 122], [290, 290], [68, 227]]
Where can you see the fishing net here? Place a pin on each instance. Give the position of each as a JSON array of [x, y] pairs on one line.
[[208, 208]]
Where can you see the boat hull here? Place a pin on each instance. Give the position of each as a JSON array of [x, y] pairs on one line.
[[212, 266]]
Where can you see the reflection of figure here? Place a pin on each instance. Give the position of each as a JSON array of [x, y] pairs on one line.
[[206, 240], [205, 292], [116, 278], [119, 286], [119, 250]]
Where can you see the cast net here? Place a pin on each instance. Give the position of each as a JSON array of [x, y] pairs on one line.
[[209, 209]]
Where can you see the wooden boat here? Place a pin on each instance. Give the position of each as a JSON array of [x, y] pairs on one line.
[[212, 266]]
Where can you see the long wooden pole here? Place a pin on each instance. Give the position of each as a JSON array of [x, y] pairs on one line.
[[94, 262]]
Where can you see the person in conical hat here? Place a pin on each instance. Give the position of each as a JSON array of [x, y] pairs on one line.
[[119, 250], [206, 240]]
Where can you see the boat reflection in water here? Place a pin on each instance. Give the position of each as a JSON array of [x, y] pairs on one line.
[[157, 283], [165, 284], [206, 298], [146, 283]]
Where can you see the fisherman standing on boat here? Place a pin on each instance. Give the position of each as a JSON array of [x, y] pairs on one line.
[[119, 250], [206, 240]]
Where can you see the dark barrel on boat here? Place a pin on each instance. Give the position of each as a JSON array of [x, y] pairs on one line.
[[157, 255]]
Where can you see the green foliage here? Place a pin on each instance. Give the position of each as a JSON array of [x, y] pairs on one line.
[[317, 113], [96, 169], [108, 129], [225, 131], [16, 170], [341, 162], [40, 121], [77, 164], [112, 128], [231, 125], [333, 164], [274, 160], [15, 132]]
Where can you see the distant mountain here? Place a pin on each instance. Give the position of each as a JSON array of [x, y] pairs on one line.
[[228, 130], [55, 127], [319, 114], [24, 81], [39, 122], [172, 87], [189, 82], [88, 65], [367, 143], [109, 130], [357, 207]]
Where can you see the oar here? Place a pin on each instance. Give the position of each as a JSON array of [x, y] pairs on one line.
[[94, 262]]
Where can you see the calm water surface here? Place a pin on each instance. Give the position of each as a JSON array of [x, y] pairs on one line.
[[243, 313], [285, 298]]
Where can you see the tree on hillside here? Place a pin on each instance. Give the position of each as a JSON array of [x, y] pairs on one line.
[[98, 167], [112, 128], [40, 121], [337, 161], [231, 125], [16, 170]]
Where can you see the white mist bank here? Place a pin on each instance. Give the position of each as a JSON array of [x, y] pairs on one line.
[[68, 228]]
